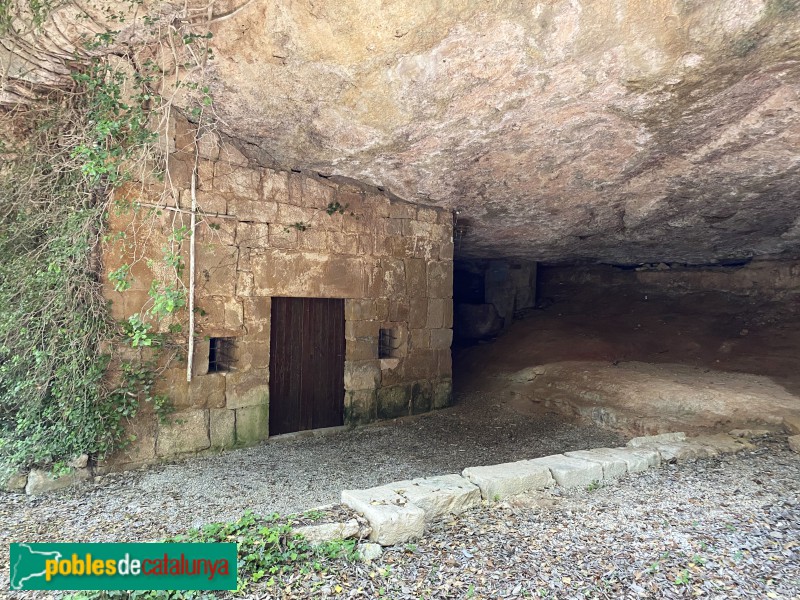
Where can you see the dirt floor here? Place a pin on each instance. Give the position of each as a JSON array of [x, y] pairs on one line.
[[715, 333]]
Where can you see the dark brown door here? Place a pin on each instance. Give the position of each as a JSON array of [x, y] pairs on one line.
[[306, 365]]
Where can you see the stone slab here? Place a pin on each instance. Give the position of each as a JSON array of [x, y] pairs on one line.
[[638, 460], [41, 482], [509, 479], [393, 518], [650, 440], [439, 495], [614, 467], [722, 443], [571, 472], [794, 443], [328, 532], [791, 424]]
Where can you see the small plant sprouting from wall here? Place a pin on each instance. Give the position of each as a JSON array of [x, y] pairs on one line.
[[69, 164]]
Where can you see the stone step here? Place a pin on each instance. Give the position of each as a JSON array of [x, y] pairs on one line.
[[393, 518], [571, 472], [637, 460], [613, 466], [509, 479], [439, 495]]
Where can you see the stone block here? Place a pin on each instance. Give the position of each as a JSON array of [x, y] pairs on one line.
[[207, 391], [722, 443], [382, 309], [377, 204], [440, 279], [236, 179], [399, 309], [613, 467], [172, 383], [426, 249], [402, 210], [354, 330], [245, 388], [143, 449], [794, 443], [393, 401], [275, 186], [419, 339], [436, 311], [680, 451], [314, 240], [393, 519], [442, 393], [342, 243], [200, 358], [416, 277], [393, 282], [316, 194], [252, 424], [636, 461], [328, 532], [187, 431], [252, 354], [210, 203], [446, 251], [289, 214], [441, 339], [245, 284], [254, 211], [41, 482], [368, 552], [231, 155], [417, 313], [16, 483], [362, 375], [444, 363], [359, 309], [222, 428], [651, 440], [421, 397], [257, 314], [571, 472], [342, 277], [509, 479], [361, 349], [220, 316], [427, 215], [791, 424], [421, 364], [360, 406], [439, 495], [282, 236], [216, 269], [252, 235]]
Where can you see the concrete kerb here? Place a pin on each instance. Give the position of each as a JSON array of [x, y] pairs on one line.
[[398, 512]]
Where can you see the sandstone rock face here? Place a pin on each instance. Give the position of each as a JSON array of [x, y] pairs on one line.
[[647, 398], [562, 129]]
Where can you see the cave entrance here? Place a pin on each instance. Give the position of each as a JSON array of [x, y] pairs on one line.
[[642, 349]]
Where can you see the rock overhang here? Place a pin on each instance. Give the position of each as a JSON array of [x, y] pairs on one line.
[[561, 130]]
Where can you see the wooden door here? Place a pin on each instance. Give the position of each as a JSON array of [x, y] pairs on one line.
[[306, 365]]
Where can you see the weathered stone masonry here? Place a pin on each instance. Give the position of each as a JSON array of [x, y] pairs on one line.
[[391, 261]]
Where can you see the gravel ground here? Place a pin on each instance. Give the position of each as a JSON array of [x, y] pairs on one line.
[[727, 528]]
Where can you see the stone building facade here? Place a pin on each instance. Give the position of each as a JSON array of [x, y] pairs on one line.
[[262, 234]]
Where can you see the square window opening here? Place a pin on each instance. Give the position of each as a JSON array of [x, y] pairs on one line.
[[221, 353], [388, 345]]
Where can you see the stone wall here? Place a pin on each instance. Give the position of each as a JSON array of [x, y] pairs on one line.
[[391, 261], [489, 293]]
